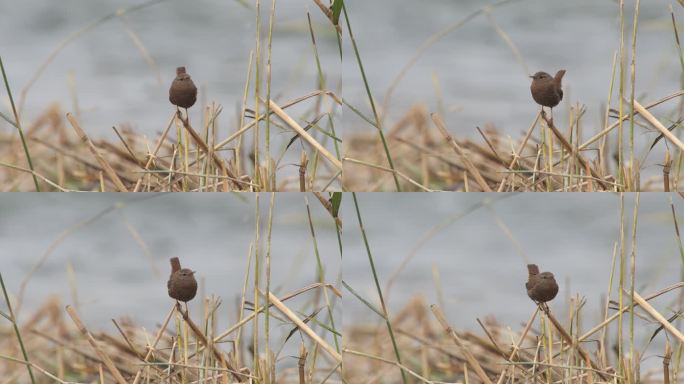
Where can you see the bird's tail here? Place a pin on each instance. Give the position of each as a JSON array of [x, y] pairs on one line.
[[532, 269], [559, 76], [175, 265]]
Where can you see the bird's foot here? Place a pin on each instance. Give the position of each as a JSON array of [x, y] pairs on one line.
[[545, 308], [542, 305], [549, 120], [183, 120]]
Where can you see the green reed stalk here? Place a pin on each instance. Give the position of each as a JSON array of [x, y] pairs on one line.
[[13, 320], [321, 275], [267, 312], [385, 314], [270, 173], [378, 123], [18, 125]]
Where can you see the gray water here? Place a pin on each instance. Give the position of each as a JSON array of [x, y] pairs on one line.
[[482, 273], [115, 84]]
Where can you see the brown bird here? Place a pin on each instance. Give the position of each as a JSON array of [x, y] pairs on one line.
[[182, 285], [546, 90], [541, 287], [183, 92]]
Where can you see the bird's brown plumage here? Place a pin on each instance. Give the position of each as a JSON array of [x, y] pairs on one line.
[[183, 92], [541, 287], [547, 91], [181, 285]]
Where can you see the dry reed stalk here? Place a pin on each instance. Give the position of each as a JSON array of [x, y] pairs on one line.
[[658, 317], [100, 159], [666, 363], [200, 143], [569, 147], [517, 345], [658, 125], [398, 173], [622, 118], [439, 123], [303, 327], [667, 166], [153, 155], [105, 358], [304, 134], [301, 363], [152, 347], [303, 161], [203, 340], [469, 356], [570, 341]]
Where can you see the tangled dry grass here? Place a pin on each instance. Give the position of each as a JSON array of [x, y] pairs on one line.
[[539, 352], [65, 158], [63, 349], [545, 158]]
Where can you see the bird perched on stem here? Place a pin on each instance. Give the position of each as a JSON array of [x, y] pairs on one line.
[[546, 90], [182, 285], [541, 287], [183, 92]]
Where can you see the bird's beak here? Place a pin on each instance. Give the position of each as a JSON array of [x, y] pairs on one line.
[[531, 77]]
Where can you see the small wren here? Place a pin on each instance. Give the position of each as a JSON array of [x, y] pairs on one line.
[[183, 92], [541, 287], [546, 90], [182, 284]]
